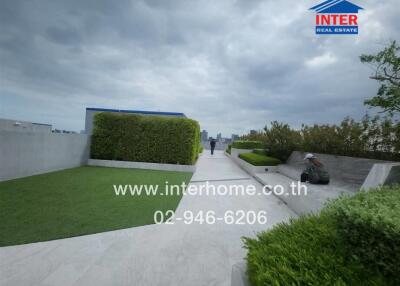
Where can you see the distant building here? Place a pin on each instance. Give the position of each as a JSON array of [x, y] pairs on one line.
[[90, 112], [235, 137], [204, 135], [219, 137], [24, 126], [227, 140], [253, 132]]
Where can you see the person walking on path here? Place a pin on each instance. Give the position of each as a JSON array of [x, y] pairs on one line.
[[212, 144]]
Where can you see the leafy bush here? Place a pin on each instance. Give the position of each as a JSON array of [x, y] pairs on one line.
[[130, 137], [259, 160], [372, 137], [306, 251], [369, 223], [247, 144], [280, 140], [353, 241]]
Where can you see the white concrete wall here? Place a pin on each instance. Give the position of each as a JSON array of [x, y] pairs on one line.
[[343, 170], [379, 174], [26, 154], [23, 126]]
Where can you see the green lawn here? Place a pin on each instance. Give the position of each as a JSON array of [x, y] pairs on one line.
[[79, 201]]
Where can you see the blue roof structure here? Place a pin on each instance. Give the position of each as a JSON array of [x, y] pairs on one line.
[[336, 7], [138, 111]]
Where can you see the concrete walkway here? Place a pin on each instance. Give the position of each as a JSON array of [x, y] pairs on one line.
[[177, 254]]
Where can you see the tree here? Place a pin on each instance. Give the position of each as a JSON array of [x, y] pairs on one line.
[[281, 140], [387, 71]]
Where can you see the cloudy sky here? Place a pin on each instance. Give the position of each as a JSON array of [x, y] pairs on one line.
[[232, 65]]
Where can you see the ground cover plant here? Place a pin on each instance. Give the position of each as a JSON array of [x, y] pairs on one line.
[[80, 201], [369, 224], [353, 241]]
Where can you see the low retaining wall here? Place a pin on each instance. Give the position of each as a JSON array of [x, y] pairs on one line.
[[252, 170], [350, 171], [142, 165], [249, 168], [382, 174], [25, 154], [236, 152]]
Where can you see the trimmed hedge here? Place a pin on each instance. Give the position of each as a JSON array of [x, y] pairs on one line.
[[370, 226], [260, 152], [157, 139], [353, 241], [244, 144], [259, 160]]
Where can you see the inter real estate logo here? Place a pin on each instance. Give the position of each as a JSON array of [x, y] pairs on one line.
[[336, 17]]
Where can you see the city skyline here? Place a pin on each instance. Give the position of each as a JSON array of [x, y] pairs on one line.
[[205, 136]]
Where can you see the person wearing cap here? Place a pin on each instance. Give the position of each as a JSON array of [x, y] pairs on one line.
[[315, 172]]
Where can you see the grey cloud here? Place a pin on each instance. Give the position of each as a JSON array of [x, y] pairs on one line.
[[63, 35], [232, 65]]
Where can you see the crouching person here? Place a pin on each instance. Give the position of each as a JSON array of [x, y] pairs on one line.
[[315, 172]]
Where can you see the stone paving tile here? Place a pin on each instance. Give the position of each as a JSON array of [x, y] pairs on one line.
[[177, 254]]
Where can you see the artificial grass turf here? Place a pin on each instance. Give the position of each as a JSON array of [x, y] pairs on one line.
[[259, 159], [80, 201]]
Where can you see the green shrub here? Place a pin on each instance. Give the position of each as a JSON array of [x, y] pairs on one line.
[[352, 241], [306, 251], [130, 137], [259, 160], [244, 144], [281, 140], [228, 149], [369, 223], [260, 152], [372, 137], [201, 149]]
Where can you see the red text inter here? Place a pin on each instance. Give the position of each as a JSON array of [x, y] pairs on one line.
[[336, 20]]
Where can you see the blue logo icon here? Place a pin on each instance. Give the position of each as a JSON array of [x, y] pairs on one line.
[[336, 17]]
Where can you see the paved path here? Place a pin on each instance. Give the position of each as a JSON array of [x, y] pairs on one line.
[[177, 254]]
